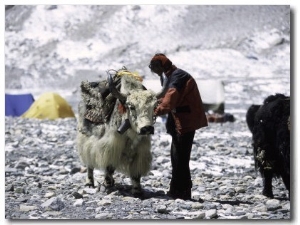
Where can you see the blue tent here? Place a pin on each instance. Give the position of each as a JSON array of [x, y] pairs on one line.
[[17, 104]]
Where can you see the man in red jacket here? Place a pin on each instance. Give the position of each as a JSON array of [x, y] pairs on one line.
[[183, 104]]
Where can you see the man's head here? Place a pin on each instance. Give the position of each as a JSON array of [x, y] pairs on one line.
[[160, 63]]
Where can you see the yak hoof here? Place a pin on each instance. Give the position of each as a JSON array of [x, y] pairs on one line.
[[137, 191], [268, 194], [90, 184], [108, 183]]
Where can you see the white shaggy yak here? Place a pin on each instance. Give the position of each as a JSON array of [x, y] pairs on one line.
[[123, 142]]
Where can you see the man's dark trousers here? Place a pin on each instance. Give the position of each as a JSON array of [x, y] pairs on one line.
[[181, 147]]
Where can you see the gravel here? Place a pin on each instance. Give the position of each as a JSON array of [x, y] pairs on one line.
[[44, 178]]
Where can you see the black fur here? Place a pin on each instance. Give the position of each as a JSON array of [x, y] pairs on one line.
[[271, 139]]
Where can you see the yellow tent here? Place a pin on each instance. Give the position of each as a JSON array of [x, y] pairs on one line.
[[49, 106]]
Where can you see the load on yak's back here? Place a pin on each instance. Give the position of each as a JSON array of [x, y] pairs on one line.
[[116, 118], [98, 98]]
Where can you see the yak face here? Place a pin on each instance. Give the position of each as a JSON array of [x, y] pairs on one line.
[[140, 111], [139, 104]]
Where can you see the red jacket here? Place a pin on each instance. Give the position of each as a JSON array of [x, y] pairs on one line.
[[183, 100]]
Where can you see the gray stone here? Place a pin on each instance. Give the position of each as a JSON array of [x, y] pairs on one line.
[[210, 214]]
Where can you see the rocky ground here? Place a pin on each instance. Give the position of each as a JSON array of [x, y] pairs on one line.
[[45, 180], [248, 49]]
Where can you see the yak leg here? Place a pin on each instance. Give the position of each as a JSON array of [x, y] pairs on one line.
[[90, 177], [267, 183], [109, 180], [136, 185], [286, 180]]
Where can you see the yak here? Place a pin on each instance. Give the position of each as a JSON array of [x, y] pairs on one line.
[[120, 139], [269, 124]]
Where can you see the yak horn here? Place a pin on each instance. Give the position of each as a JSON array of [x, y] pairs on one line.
[[114, 90], [124, 126]]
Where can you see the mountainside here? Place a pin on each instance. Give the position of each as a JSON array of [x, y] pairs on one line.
[[55, 47]]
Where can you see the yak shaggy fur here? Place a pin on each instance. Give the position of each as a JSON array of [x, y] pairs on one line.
[[270, 127], [129, 153]]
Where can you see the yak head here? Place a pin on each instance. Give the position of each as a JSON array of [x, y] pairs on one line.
[[138, 102]]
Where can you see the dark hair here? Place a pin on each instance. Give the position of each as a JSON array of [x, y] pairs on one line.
[[163, 61], [155, 63]]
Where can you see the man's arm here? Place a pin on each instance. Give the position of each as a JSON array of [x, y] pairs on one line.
[[168, 102]]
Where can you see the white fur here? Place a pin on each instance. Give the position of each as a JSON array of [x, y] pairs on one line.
[[128, 153]]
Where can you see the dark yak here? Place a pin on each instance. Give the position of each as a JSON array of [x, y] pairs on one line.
[[270, 127]]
